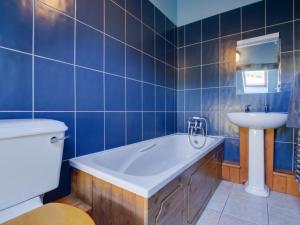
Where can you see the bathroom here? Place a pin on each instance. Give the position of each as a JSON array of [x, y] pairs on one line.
[[141, 110]]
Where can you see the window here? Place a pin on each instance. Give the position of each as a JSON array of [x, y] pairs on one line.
[[256, 78]]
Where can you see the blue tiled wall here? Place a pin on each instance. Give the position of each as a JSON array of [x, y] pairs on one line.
[[107, 68], [206, 74]]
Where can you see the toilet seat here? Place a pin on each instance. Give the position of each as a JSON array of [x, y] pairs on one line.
[[53, 214]]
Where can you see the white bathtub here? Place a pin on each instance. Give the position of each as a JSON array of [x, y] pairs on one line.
[[144, 168]]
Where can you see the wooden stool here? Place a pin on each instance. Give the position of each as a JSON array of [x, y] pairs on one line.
[[53, 214]]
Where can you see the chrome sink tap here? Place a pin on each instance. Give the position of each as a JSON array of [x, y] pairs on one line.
[[247, 108], [266, 108]]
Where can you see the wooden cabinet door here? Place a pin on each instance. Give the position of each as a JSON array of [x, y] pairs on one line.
[[200, 186], [172, 209]]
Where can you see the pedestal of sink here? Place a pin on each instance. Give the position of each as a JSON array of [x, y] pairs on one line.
[[256, 172], [257, 122]]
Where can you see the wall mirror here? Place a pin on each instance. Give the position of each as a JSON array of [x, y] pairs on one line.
[[258, 65]]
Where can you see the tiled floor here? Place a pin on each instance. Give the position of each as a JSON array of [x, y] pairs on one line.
[[231, 205]]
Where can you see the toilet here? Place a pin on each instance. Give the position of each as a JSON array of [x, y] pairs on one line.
[[30, 162]]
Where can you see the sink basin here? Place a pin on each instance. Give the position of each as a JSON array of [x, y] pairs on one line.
[[258, 120]]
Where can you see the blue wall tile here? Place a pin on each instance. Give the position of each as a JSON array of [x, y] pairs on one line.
[[287, 68], [253, 33], [232, 150], [180, 122], [54, 86], [180, 100], [212, 122], [133, 95], [297, 35], [89, 90], [160, 47], [231, 22], [193, 55], [89, 132], [16, 25], [227, 74], [148, 97], [285, 34], [170, 123], [193, 33], [133, 63], [148, 13], [279, 11], [121, 3], [160, 74], [68, 119], [114, 20], [284, 134], [160, 124], [134, 7], [91, 13], [114, 56], [55, 28], [210, 52], [15, 115], [16, 81], [171, 77], [279, 102], [228, 48], [148, 40], [114, 93], [148, 69], [134, 127], [227, 128], [171, 32], [193, 100], [283, 156], [160, 22], [181, 58], [211, 28], [148, 125], [210, 76], [210, 99], [114, 137], [160, 98], [133, 31], [170, 100], [180, 36], [193, 78], [297, 9], [253, 16], [89, 47]]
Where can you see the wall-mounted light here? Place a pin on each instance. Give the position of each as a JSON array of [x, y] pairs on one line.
[[237, 56]]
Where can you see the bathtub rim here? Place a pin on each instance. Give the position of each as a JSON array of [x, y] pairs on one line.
[[144, 186]]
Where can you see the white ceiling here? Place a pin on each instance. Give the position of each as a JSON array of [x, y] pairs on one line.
[[183, 12]]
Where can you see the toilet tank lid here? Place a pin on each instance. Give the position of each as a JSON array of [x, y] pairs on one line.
[[27, 127]]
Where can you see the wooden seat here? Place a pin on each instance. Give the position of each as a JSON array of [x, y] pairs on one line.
[[53, 214]]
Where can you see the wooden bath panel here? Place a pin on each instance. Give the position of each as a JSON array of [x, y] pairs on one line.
[[180, 202]]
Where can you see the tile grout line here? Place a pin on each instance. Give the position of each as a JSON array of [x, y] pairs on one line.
[[155, 74], [104, 76], [294, 78], [75, 80], [142, 73], [33, 59], [125, 72]]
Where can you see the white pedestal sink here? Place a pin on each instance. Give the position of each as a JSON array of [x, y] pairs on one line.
[[257, 122]]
